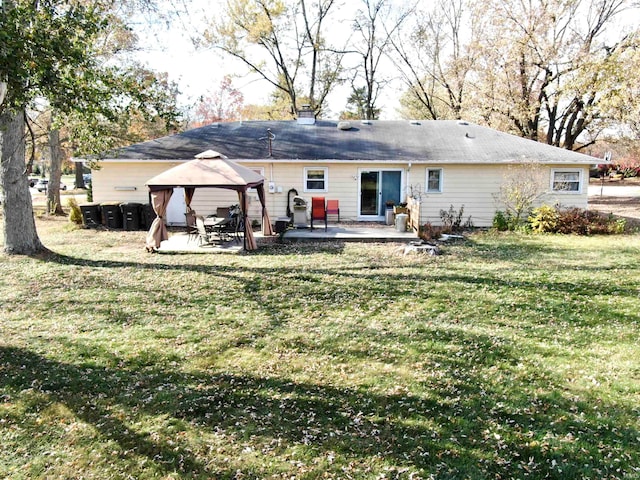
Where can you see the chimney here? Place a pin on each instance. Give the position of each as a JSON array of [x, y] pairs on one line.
[[306, 116]]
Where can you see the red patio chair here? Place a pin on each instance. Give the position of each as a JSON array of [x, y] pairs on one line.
[[333, 208], [318, 211]]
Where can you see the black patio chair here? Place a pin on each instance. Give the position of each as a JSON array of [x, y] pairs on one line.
[[231, 226]]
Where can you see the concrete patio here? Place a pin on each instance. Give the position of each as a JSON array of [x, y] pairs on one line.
[[181, 242], [349, 233]]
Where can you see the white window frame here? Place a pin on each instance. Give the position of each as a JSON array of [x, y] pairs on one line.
[[306, 179], [440, 180], [555, 171]]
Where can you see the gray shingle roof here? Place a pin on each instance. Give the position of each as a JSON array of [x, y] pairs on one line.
[[439, 141]]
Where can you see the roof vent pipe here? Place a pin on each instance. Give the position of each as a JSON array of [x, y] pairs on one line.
[[269, 138]]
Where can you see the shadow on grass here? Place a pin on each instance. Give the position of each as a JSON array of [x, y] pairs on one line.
[[346, 285], [462, 426]]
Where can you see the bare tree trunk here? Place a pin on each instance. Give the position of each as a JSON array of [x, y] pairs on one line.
[[78, 168], [54, 205], [20, 235]]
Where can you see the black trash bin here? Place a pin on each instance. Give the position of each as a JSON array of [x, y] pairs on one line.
[[147, 216], [112, 215], [131, 216], [91, 217]]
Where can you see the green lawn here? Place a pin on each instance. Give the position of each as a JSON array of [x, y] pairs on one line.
[[508, 356]]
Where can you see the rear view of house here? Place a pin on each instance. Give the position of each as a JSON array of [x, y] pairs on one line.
[[363, 164]]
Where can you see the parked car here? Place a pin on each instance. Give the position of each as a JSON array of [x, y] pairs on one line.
[[43, 184]]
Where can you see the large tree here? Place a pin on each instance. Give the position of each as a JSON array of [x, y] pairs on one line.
[[44, 54], [543, 63], [51, 52], [292, 54], [434, 58], [375, 22], [544, 70]]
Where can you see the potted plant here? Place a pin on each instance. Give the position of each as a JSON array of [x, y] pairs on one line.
[[390, 204], [401, 208]]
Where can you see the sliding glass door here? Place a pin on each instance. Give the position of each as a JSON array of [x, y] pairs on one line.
[[376, 188]]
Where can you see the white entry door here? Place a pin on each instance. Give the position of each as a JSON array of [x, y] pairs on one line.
[[177, 208]]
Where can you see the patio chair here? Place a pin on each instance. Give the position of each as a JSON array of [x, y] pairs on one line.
[[232, 225], [192, 229], [333, 208], [318, 211], [204, 237]]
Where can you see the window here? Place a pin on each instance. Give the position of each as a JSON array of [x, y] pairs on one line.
[[315, 179], [434, 180], [568, 181]]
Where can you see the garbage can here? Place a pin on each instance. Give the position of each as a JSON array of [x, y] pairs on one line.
[[281, 224], [91, 217], [401, 222], [112, 215], [131, 215], [147, 216]]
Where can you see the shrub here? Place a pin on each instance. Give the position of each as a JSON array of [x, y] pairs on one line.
[[586, 222], [430, 232], [618, 225], [75, 214], [544, 219], [503, 221], [500, 221], [452, 220]]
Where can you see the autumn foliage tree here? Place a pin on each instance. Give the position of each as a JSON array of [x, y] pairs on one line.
[[224, 105]]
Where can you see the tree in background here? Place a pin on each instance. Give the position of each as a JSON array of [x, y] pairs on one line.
[[224, 105], [292, 52], [434, 59], [544, 64], [551, 71], [373, 31], [359, 106]]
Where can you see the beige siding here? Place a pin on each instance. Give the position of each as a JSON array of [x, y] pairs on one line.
[[476, 188], [125, 182], [473, 186], [111, 178]]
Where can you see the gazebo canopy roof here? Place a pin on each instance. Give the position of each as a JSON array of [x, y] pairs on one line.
[[210, 169]]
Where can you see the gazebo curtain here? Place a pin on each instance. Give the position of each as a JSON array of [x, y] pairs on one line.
[[249, 239], [266, 221], [188, 196], [190, 213], [160, 200], [158, 231]]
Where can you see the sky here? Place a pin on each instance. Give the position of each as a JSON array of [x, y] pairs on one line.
[[199, 72]]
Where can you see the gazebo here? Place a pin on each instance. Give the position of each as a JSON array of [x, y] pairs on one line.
[[210, 169]]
